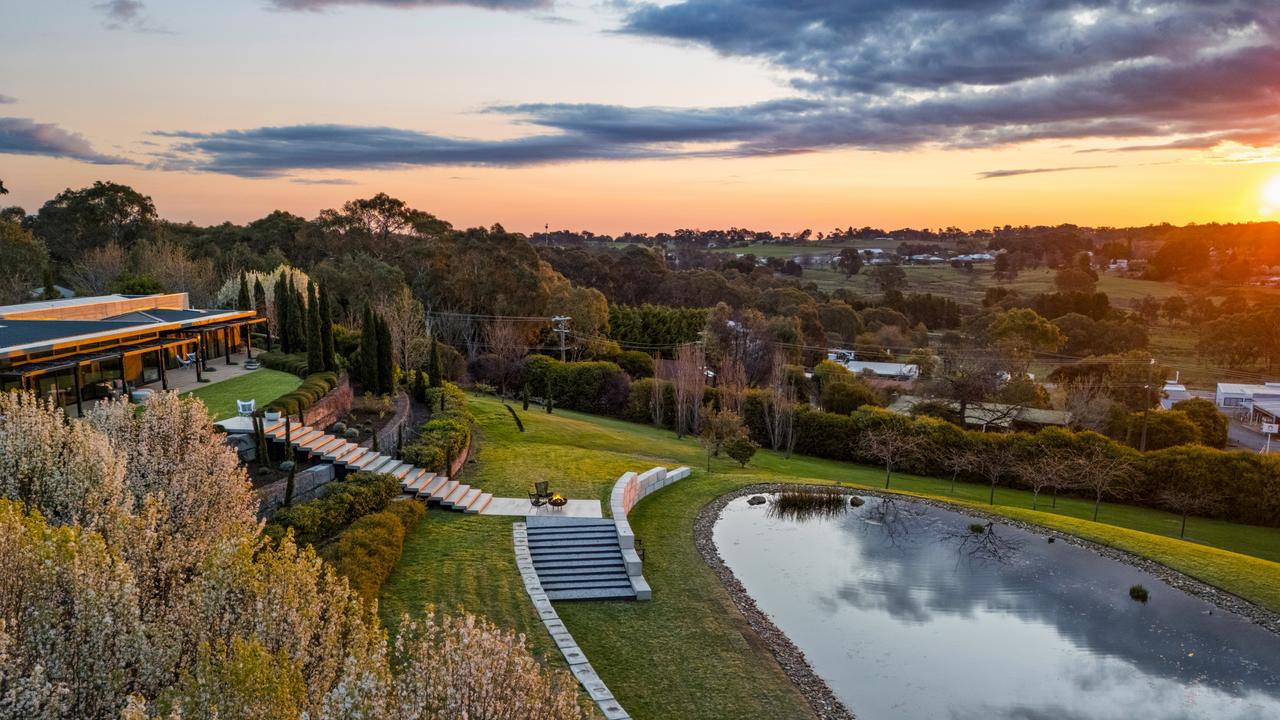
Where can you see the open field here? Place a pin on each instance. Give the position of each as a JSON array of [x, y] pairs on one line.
[[711, 665], [262, 385]]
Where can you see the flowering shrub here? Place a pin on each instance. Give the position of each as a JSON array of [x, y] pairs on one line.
[[134, 583]]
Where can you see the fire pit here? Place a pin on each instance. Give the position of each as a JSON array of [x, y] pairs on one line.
[[557, 500]]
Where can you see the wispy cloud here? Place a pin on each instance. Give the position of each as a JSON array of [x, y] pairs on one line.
[[7, 99], [323, 181], [868, 75], [315, 5], [990, 174], [23, 136], [128, 15]]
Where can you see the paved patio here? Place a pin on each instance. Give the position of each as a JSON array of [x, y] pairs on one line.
[[520, 507], [184, 379]]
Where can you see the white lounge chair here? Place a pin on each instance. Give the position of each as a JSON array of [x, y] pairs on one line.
[[246, 407], [187, 360]]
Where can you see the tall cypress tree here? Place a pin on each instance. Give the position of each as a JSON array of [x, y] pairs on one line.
[[435, 371], [315, 345], [386, 363], [369, 351], [243, 301], [259, 298], [297, 319], [282, 301], [326, 331]]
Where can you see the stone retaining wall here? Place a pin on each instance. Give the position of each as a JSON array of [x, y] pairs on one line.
[[308, 484], [335, 405], [627, 491]]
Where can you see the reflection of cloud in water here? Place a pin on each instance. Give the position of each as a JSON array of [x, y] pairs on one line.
[[1052, 611]]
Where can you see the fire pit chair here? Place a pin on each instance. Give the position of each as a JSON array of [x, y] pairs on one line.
[[540, 495]]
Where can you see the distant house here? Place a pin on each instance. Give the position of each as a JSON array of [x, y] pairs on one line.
[[883, 370], [975, 258], [992, 416], [1119, 265], [1245, 400], [1174, 392]]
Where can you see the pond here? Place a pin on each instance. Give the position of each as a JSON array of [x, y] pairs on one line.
[[908, 613]]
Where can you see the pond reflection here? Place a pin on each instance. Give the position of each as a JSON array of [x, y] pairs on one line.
[[908, 612]]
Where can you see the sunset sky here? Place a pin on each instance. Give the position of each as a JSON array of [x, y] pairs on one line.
[[614, 115]]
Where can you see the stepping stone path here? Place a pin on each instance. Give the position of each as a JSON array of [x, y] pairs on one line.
[[416, 482], [578, 558], [522, 538]]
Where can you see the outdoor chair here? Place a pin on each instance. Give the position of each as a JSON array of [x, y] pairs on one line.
[[187, 360], [540, 494], [245, 408]]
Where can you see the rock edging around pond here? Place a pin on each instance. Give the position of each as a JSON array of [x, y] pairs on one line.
[[815, 690]]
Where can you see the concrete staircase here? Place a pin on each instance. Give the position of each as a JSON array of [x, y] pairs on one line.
[[578, 558], [416, 481]]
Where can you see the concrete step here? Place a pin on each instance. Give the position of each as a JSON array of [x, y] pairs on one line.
[[444, 490], [434, 484], [539, 523], [455, 497], [593, 534], [582, 565], [327, 445], [404, 471], [481, 503], [575, 556], [418, 483], [358, 459], [305, 437], [340, 455], [381, 463], [592, 594], [470, 497], [552, 573], [414, 474], [565, 583]]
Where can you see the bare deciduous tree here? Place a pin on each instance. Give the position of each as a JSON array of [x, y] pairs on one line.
[[98, 268], [732, 384], [658, 395], [504, 339], [891, 444], [1101, 471], [407, 323], [1188, 498], [1041, 469], [690, 381], [780, 408]]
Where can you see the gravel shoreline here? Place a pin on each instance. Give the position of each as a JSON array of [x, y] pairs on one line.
[[821, 698]]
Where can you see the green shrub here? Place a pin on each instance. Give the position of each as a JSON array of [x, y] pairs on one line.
[[367, 551], [295, 363], [1139, 593], [313, 388], [346, 500], [446, 434]]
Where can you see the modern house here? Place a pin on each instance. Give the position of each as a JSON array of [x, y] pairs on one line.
[[883, 370], [79, 349], [1173, 392], [1244, 400]]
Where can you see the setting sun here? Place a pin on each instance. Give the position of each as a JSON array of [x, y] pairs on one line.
[[1271, 196]]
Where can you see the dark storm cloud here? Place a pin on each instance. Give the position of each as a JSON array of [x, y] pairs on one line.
[[410, 4], [22, 136], [990, 174], [1172, 74]]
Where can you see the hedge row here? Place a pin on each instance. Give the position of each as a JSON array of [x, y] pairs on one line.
[[367, 551], [592, 387], [445, 435], [295, 363], [313, 387], [1246, 485], [316, 520]]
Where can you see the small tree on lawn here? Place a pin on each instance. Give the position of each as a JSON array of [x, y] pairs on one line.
[[994, 460], [1102, 470], [718, 427], [741, 447], [891, 443], [1187, 497], [1041, 468]]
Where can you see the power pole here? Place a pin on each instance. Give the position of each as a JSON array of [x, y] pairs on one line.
[[1146, 408], [561, 329]]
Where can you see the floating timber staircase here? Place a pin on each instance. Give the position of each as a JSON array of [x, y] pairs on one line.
[[578, 558], [416, 482]]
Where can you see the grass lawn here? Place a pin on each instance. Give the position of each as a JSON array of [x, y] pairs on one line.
[[688, 653], [262, 385]]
